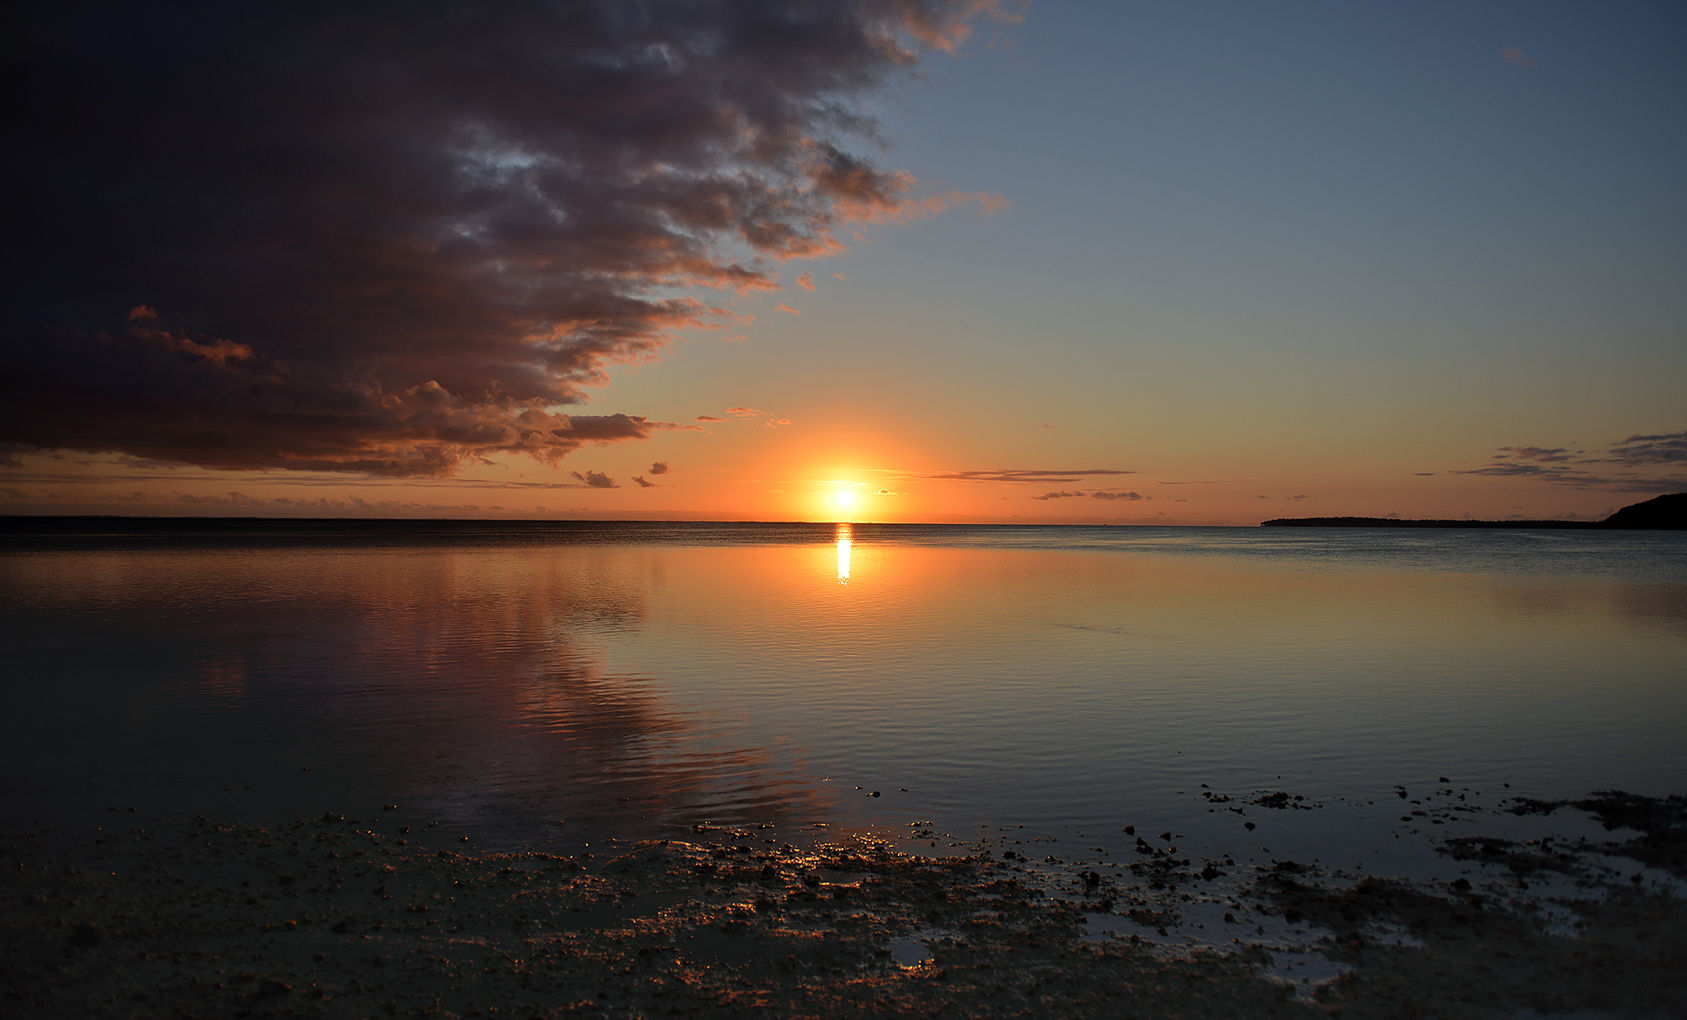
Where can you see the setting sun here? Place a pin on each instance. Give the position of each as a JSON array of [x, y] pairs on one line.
[[843, 499]]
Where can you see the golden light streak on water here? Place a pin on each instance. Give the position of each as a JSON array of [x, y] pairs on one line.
[[845, 536]]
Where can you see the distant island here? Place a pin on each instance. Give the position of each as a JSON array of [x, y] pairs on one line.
[[1665, 513]]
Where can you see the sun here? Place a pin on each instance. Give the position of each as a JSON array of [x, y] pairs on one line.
[[843, 499]]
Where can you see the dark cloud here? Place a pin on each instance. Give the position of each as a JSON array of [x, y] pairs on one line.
[[659, 468], [1127, 496], [1514, 470], [1546, 455], [1054, 475], [642, 483], [709, 417], [596, 479], [1610, 468], [1669, 448], [388, 239]]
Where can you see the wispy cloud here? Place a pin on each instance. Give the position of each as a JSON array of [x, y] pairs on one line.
[[1049, 475], [1612, 467], [1668, 448], [756, 415], [1102, 495], [1553, 455], [393, 241], [1514, 55]]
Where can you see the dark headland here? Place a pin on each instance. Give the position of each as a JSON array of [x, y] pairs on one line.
[[1663, 513]]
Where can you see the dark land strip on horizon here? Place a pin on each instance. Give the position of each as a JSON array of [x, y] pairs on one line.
[[1664, 513]]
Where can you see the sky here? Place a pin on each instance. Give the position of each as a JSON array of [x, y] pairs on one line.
[[896, 260]]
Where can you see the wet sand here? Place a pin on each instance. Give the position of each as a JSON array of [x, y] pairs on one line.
[[353, 917]]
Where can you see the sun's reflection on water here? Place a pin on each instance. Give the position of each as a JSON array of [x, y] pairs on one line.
[[845, 536]]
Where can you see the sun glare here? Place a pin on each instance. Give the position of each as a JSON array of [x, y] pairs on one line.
[[840, 498]]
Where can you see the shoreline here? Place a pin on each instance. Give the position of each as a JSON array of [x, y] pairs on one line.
[[345, 917]]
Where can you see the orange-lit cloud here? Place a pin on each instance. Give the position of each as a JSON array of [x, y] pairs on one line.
[[946, 27], [1513, 55], [805, 281]]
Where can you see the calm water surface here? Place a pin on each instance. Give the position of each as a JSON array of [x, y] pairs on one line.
[[557, 683]]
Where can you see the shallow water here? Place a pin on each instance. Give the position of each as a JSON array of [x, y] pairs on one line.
[[557, 683]]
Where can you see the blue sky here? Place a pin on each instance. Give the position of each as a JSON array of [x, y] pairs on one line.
[[1290, 247]]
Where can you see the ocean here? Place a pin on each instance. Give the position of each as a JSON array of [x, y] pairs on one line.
[[558, 684]]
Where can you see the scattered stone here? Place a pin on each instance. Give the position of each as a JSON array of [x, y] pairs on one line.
[[731, 924]]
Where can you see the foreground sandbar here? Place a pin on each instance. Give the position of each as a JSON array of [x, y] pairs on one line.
[[337, 917]]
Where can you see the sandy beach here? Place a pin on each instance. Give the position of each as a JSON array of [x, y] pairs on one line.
[[354, 917]]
